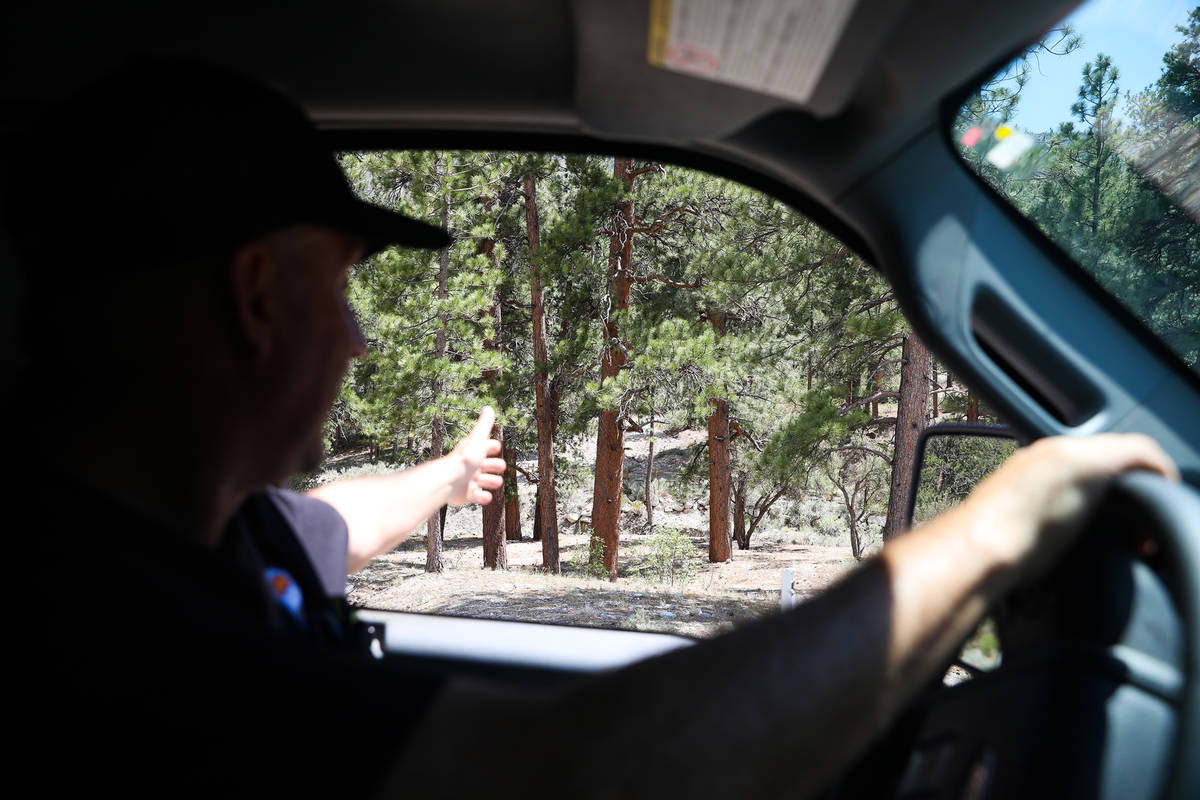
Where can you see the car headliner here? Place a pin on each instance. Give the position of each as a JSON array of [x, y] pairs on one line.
[[575, 68]]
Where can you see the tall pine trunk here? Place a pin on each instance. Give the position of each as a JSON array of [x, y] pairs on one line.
[[495, 553], [719, 547], [552, 407], [436, 527], [610, 438], [740, 534], [512, 498], [933, 379], [547, 515], [649, 487], [910, 421], [434, 531]]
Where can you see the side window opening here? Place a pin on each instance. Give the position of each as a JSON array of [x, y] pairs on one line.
[[697, 389], [1093, 134]]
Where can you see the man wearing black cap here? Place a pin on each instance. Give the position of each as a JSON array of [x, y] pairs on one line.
[[185, 265], [188, 252], [206, 195]]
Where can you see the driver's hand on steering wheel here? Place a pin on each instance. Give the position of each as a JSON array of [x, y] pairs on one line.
[[1032, 508]]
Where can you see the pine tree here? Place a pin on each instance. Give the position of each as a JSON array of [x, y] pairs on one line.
[[910, 421], [424, 315]]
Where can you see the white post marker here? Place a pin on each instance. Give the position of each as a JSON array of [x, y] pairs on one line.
[[787, 594]]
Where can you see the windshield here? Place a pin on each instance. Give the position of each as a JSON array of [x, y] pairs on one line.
[[1093, 134]]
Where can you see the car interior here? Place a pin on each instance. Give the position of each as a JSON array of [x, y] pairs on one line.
[[1099, 694]]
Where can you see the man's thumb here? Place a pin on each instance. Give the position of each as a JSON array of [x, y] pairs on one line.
[[483, 426]]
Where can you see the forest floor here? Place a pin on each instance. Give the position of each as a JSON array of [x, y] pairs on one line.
[[687, 596]]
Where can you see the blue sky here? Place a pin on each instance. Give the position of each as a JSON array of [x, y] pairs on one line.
[[1133, 33]]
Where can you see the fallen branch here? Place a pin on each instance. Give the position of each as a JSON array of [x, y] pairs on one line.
[[528, 477]]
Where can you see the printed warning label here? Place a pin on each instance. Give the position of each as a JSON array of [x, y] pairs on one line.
[[778, 47]]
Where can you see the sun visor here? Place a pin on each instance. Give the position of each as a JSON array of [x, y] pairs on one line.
[[705, 68]]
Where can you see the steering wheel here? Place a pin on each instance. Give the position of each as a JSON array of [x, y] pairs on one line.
[[1172, 514], [1098, 695]]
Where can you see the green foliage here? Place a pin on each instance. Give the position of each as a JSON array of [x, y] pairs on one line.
[[952, 466], [590, 562], [402, 382], [1179, 86], [802, 438], [735, 298], [570, 475], [670, 557], [983, 648]]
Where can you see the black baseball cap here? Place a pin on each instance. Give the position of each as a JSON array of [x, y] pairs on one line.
[[170, 157]]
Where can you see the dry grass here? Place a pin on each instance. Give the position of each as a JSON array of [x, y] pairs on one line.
[[716, 598]]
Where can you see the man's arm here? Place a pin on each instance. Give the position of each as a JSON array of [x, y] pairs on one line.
[[794, 698], [381, 511]]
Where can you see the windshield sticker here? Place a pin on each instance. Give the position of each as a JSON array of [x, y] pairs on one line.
[[1012, 145], [777, 47], [972, 136]]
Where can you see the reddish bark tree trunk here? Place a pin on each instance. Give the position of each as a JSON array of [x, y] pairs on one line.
[[910, 421], [495, 551], [495, 554], [512, 499], [649, 488], [547, 516], [610, 438], [719, 548], [552, 406], [973, 409]]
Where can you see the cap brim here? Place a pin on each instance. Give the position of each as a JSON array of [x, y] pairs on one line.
[[380, 228]]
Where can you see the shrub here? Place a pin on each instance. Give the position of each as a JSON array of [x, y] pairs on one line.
[[591, 561], [671, 557], [571, 475]]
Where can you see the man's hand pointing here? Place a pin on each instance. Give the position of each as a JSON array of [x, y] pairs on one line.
[[481, 473]]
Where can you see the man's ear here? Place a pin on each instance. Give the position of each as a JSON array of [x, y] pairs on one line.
[[252, 275]]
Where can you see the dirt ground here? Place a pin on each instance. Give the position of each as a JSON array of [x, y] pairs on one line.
[[696, 599], [715, 598]]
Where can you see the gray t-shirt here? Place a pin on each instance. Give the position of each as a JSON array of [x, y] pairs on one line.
[[323, 533]]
